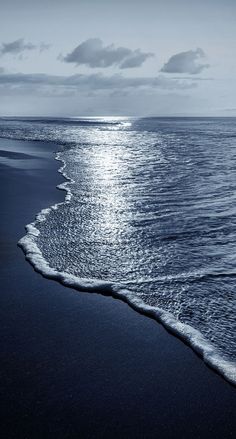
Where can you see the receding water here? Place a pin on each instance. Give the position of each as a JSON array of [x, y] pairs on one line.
[[152, 208]]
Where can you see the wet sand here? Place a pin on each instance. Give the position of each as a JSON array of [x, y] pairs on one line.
[[80, 365]]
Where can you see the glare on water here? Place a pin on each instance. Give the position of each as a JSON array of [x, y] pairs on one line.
[[152, 208]]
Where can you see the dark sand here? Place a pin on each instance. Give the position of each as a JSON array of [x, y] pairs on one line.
[[79, 365]]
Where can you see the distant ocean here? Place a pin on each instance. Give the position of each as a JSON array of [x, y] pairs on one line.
[[149, 216]]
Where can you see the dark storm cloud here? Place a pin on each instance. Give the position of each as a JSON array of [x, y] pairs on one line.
[[19, 46], [93, 53], [90, 82], [185, 62]]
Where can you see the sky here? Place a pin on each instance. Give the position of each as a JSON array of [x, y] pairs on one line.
[[117, 58]]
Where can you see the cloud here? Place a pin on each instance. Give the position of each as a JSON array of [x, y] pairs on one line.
[[192, 78], [44, 46], [185, 62], [136, 59], [93, 53], [16, 47], [83, 83], [19, 46]]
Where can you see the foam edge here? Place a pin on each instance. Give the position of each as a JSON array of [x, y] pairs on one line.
[[189, 335]]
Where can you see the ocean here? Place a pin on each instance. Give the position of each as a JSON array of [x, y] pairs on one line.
[[149, 217]]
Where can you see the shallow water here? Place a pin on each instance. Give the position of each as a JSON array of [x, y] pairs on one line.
[[151, 209]]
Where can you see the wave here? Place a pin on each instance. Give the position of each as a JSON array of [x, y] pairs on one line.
[[188, 334], [81, 121]]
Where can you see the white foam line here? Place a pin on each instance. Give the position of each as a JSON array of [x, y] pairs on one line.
[[190, 335]]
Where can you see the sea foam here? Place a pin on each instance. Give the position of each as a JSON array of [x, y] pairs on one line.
[[148, 217], [190, 335]]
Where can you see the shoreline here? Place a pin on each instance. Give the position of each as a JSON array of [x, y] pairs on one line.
[[213, 399], [186, 333]]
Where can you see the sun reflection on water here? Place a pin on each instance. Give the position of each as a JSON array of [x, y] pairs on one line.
[[109, 166]]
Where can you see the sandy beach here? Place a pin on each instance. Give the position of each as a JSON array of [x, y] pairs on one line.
[[80, 365]]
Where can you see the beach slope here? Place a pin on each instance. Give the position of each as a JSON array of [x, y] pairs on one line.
[[80, 365]]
